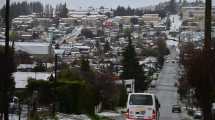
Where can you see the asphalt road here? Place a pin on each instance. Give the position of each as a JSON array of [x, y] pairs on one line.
[[165, 89]]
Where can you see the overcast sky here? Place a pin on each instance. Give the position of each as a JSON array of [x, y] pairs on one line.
[[74, 4]]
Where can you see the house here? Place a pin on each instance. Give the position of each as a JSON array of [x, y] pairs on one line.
[[25, 67], [70, 20], [129, 84], [78, 13], [35, 49], [193, 18], [21, 78], [194, 12], [126, 19], [22, 20], [149, 63], [45, 22], [149, 19]]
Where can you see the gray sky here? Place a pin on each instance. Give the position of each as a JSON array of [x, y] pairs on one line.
[[74, 4]]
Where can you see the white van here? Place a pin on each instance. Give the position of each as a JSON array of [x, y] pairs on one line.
[[142, 106]]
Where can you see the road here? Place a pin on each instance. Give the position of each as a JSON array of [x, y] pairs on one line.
[[166, 91]]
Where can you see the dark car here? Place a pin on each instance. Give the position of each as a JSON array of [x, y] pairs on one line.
[[197, 115], [176, 108]]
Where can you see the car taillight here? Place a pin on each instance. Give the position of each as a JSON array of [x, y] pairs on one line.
[[154, 115], [126, 114]]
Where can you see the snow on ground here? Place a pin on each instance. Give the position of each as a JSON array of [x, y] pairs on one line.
[[72, 117], [60, 116], [21, 78], [171, 43], [176, 22], [192, 36], [109, 114]]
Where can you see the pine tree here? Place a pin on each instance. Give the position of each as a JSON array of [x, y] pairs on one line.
[[172, 7], [107, 47], [48, 11], [85, 67], [131, 67], [62, 11], [7, 83], [168, 23]]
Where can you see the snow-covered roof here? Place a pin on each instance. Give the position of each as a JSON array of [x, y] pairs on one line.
[[128, 81], [171, 42], [191, 36], [23, 66], [59, 51], [21, 78], [149, 60], [33, 48], [82, 47]]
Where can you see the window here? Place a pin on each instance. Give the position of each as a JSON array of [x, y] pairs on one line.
[[141, 100]]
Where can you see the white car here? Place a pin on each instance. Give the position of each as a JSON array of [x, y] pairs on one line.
[[144, 106]]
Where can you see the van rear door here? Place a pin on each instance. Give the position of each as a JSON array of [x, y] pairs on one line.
[[141, 106]]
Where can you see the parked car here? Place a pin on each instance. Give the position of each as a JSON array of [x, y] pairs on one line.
[[197, 115], [176, 108], [143, 106], [13, 105], [173, 61], [153, 84]]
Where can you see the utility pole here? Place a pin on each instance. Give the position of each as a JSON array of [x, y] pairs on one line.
[[208, 7], [5, 82], [55, 80], [7, 24], [207, 61]]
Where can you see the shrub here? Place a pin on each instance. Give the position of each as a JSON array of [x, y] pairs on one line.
[[72, 97]]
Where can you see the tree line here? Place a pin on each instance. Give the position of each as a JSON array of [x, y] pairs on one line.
[[198, 79], [26, 8], [22, 8], [122, 11], [71, 89], [170, 7]]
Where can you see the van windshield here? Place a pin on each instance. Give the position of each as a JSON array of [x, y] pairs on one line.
[[141, 100]]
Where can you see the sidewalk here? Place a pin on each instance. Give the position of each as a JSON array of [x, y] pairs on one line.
[[113, 115]]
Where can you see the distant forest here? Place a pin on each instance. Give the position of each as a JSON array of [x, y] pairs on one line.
[[122, 11], [26, 8], [162, 9], [23, 8]]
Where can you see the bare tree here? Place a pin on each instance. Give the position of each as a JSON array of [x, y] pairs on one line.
[[201, 69], [208, 6]]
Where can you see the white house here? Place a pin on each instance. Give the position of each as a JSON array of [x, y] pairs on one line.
[[129, 84], [21, 78]]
